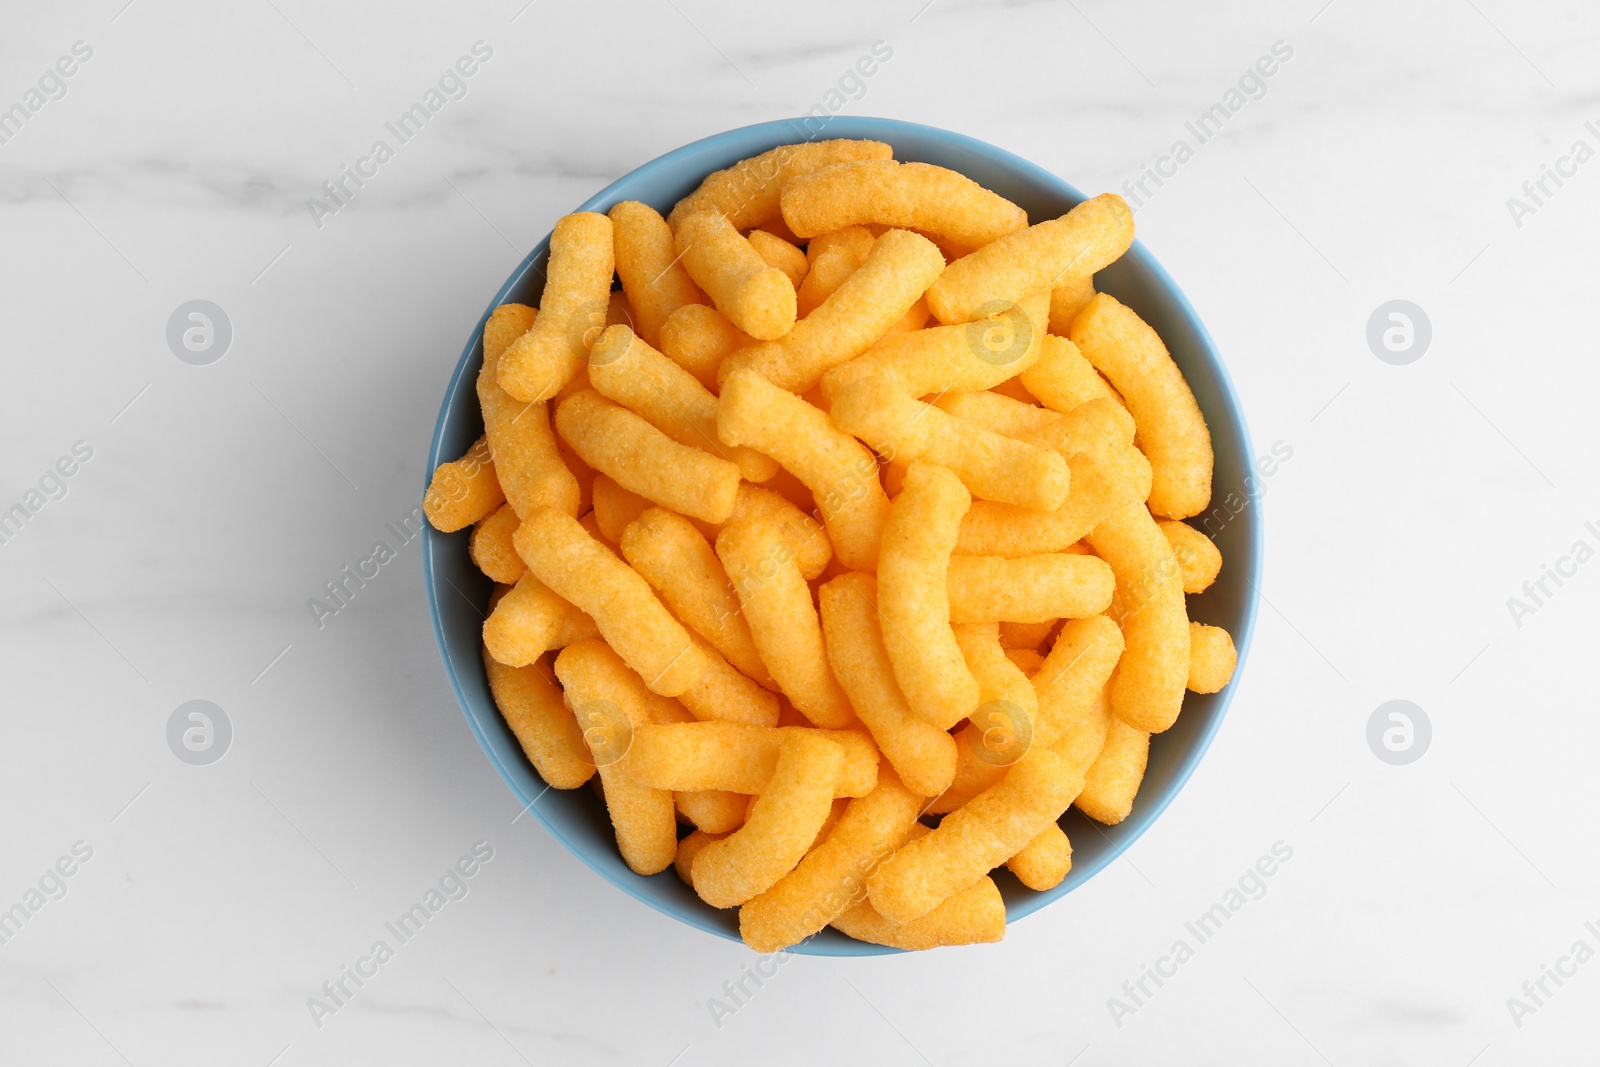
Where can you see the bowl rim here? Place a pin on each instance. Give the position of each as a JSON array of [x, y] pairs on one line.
[[771, 134]]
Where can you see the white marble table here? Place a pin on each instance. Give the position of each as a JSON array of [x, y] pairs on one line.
[[206, 504]]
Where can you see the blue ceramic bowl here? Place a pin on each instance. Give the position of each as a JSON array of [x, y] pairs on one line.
[[458, 593]]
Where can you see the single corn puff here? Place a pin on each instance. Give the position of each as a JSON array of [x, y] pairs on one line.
[[463, 490], [491, 546], [1067, 299], [572, 311], [698, 338], [1028, 588], [777, 252], [923, 755], [711, 811], [1172, 431], [643, 460], [523, 624], [913, 196], [783, 621], [647, 262], [779, 829], [615, 508], [1061, 378], [530, 701], [1197, 555], [1085, 239], [758, 299], [1113, 779], [530, 465], [1148, 691], [913, 601], [737, 757], [1212, 658], [1044, 861]]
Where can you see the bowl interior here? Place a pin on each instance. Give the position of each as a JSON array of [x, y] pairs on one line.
[[458, 592]]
